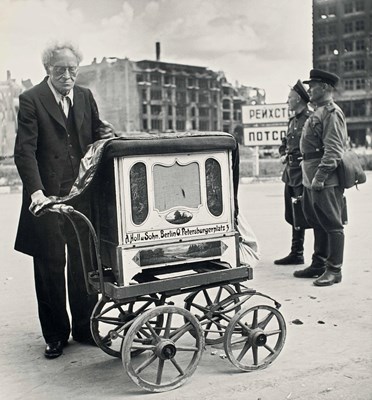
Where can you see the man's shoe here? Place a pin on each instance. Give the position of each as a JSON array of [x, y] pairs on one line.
[[328, 278], [309, 272], [89, 341], [291, 259], [54, 349]]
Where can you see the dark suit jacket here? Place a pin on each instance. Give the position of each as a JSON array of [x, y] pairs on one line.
[[41, 150]]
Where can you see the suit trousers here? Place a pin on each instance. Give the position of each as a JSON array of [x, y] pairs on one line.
[[49, 273], [323, 211]]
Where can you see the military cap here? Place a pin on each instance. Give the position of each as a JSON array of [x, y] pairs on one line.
[[300, 89], [318, 75]]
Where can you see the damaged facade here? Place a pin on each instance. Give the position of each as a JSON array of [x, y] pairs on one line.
[[154, 96]]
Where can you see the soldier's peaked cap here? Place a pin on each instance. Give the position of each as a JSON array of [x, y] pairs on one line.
[[318, 75], [301, 90]]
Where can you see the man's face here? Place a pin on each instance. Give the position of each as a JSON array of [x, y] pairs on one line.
[[293, 100], [63, 70], [316, 91]]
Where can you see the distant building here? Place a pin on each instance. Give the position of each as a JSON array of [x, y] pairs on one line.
[[178, 97], [9, 93], [251, 95], [153, 96], [342, 44], [245, 95]]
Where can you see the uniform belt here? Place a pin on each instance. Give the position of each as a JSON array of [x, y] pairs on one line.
[[312, 155], [294, 158]]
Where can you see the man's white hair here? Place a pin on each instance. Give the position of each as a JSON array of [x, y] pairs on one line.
[[49, 51]]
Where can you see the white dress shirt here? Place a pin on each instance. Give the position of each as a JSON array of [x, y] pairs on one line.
[[61, 100]]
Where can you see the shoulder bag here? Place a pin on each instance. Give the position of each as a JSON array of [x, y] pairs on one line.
[[350, 172]]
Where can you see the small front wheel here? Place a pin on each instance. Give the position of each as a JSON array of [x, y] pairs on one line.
[[168, 354], [255, 337]]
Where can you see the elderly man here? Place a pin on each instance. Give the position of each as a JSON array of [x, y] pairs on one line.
[[323, 142], [57, 121], [292, 175]]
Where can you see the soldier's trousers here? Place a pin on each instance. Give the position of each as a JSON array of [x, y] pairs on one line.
[[289, 192], [323, 211], [298, 236]]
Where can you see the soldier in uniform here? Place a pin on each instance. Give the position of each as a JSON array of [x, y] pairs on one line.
[[292, 174], [323, 142]]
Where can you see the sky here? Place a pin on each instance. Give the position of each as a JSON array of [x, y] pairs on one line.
[[260, 43]]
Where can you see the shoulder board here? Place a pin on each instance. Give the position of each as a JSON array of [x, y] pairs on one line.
[[330, 107]]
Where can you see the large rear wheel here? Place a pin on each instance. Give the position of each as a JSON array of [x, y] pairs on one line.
[[110, 321], [214, 309]]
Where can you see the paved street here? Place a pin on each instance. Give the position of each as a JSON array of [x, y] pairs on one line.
[[328, 357]]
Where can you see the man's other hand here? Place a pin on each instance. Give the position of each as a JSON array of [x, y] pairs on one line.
[[283, 159], [106, 130]]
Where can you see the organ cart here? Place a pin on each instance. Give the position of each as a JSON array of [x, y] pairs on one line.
[[165, 258]]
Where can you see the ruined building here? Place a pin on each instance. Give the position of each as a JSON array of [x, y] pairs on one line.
[[153, 96]]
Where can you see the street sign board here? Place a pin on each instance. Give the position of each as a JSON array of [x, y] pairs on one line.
[[264, 135], [265, 124], [265, 114]]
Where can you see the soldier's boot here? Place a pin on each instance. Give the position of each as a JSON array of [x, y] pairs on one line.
[[334, 261], [318, 264], [312, 271], [296, 256], [329, 277]]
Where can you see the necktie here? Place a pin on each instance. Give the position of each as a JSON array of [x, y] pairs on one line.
[[65, 104]]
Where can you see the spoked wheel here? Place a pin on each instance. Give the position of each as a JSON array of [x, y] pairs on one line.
[[255, 337], [214, 310], [172, 354], [110, 321]]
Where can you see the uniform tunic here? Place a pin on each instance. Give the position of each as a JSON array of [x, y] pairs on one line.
[[290, 146], [292, 174], [325, 132], [322, 143]]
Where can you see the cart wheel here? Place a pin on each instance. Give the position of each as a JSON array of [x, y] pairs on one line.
[[172, 354], [255, 337], [214, 310], [111, 320]]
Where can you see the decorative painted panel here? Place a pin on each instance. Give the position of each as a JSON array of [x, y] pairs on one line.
[[214, 186], [176, 186], [138, 193]]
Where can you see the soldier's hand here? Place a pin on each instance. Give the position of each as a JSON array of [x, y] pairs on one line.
[[283, 159], [106, 130], [317, 185]]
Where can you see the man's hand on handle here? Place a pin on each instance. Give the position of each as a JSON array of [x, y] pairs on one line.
[[38, 197], [38, 202]]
